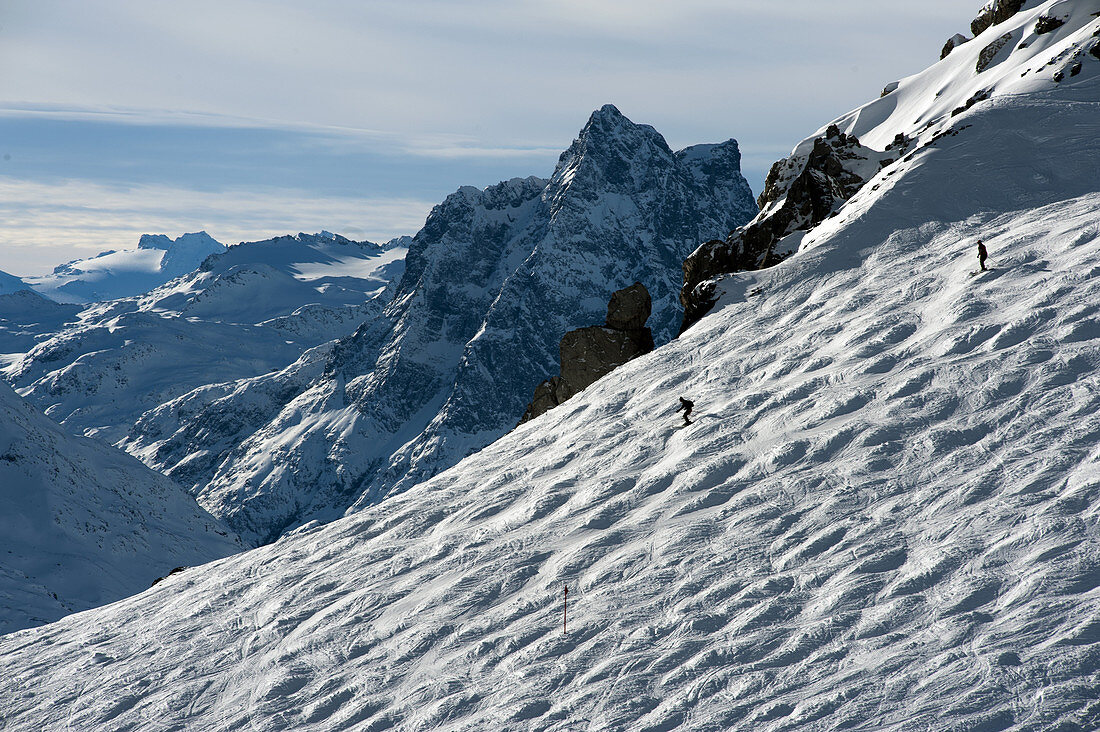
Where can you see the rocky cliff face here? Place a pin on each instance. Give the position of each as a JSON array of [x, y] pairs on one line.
[[492, 282], [799, 193], [588, 354], [994, 12]]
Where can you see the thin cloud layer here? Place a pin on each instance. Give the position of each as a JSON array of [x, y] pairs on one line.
[[88, 218]]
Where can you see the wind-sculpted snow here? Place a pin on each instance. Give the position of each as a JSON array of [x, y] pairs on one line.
[[250, 311], [492, 282], [84, 524], [885, 515]]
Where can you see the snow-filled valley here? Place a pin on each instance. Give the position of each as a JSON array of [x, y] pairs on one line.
[[884, 515]]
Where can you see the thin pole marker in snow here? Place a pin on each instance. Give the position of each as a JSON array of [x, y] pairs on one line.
[[565, 611]]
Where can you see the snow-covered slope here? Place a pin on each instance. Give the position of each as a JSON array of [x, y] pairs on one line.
[[115, 274], [249, 311], [885, 516], [493, 281], [10, 283], [26, 318], [84, 524]]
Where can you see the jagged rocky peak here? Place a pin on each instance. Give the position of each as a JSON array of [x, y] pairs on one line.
[[610, 154], [492, 282], [154, 241], [466, 234], [588, 354], [799, 193]]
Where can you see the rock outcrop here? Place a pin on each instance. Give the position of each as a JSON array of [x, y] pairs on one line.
[[799, 193], [588, 354], [991, 52], [994, 12], [952, 43]]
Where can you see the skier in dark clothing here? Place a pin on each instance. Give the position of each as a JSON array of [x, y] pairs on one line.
[[686, 406], [982, 254]]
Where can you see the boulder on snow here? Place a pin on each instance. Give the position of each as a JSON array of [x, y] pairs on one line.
[[629, 308], [1047, 23], [588, 354]]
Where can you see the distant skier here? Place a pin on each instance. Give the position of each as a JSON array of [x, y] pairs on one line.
[[686, 405], [982, 254]]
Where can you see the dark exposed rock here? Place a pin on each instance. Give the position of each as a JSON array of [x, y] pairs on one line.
[[995, 12], [989, 53], [799, 193], [177, 570], [1047, 23], [952, 43], [629, 308], [587, 354], [901, 140], [979, 96]]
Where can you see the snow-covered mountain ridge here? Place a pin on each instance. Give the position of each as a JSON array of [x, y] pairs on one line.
[[248, 311], [492, 282], [10, 283], [114, 274], [826, 169], [886, 516], [26, 318]]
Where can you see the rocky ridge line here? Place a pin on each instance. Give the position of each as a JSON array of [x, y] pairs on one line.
[[800, 192]]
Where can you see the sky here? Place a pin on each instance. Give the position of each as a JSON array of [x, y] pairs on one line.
[[254, 118]]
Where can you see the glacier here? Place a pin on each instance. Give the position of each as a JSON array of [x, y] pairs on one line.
[[114, 274]]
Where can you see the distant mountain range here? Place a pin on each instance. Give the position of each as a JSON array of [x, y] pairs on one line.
[[114, 274], [248, 311]]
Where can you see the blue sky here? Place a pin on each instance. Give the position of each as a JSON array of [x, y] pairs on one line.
[[252, 118]]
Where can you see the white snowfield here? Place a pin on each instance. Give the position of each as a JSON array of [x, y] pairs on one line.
[[886, 514]]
